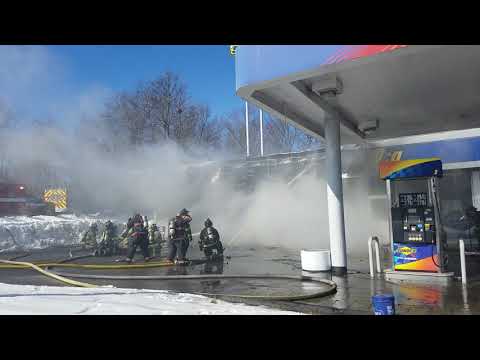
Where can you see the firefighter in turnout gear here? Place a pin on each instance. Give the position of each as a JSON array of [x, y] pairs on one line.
[[179, 234], [89, 238], [123, 241], [188, 239], [210, 242], [108, 243], [155, 239], [152, 234], [137, 234]]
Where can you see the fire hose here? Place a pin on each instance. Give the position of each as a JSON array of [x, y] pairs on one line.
[[67, 278], [23, 265], [48, 273], [332, 286]]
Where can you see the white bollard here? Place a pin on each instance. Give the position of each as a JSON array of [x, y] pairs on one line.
[[377, 255], [370, 255], [462, 261]]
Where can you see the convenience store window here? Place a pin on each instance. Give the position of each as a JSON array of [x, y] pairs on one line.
[[460, 202]]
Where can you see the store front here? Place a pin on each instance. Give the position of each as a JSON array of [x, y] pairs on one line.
[[459, 186]]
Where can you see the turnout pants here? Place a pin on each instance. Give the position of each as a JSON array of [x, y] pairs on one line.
[[186, 244], [176, 248], [208, 250], [134, 242]]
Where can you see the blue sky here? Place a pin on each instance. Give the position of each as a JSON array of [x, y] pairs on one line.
[[69, 82], [208, 70]]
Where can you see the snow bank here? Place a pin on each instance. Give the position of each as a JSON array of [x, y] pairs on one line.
[[44, 231], [51, 300]]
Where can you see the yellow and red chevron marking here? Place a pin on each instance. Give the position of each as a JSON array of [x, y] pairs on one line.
[[58, 197], [387, 168], [426, 264]]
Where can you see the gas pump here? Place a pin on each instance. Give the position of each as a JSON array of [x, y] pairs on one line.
[[414, 218]]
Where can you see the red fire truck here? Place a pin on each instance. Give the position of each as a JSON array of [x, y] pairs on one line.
[[15, 200]]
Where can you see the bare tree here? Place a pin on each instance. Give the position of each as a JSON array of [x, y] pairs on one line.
[[235, 134], [279, 135], [160, 111], [208, 130], [169, 100]]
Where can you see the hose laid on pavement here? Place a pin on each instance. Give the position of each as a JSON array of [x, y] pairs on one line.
[[67, 279], [332, 285], [63, 277], [49, 274], [18, 265]]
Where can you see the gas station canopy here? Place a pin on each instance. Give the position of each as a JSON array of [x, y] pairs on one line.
[[376, 91]]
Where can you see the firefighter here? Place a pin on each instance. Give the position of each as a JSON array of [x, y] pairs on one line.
[[137, 235], [189, 236], [152, 237], [123, 241], [155, 238], [178, 235], [108, 243], [210, 242], [89, 238]]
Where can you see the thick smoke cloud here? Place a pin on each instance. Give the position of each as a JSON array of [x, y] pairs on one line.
[[159, 181]]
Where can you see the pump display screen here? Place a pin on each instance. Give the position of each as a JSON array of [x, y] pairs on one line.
[[414, 219], [412, 200]]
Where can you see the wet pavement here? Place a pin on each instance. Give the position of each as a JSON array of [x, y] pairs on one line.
[[353, 296]]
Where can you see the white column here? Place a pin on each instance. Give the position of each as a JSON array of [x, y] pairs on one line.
[[246, 128], [338, 246], [261, 132], [476, 189]]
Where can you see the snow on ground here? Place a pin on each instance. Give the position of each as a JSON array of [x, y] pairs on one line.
[[52, 300], [43, 231]]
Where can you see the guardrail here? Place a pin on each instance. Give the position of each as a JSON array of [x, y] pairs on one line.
[[374, 239]]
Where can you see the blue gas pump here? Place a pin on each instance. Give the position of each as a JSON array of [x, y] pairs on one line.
[[414, 218]]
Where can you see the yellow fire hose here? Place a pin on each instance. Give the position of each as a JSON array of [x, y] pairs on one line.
[[331, 285], [47, 273], [8, 264], [23, 265]]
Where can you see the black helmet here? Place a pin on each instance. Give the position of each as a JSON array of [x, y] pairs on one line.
[[183, 212], [208, 223]]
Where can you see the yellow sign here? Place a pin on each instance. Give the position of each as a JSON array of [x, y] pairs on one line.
[[407, 250], [233, 49], [56, 196]]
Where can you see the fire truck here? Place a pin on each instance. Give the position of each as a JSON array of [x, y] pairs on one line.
[[15, 200]]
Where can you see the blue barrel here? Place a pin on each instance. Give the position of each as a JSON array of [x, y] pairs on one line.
[[383, 304]]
